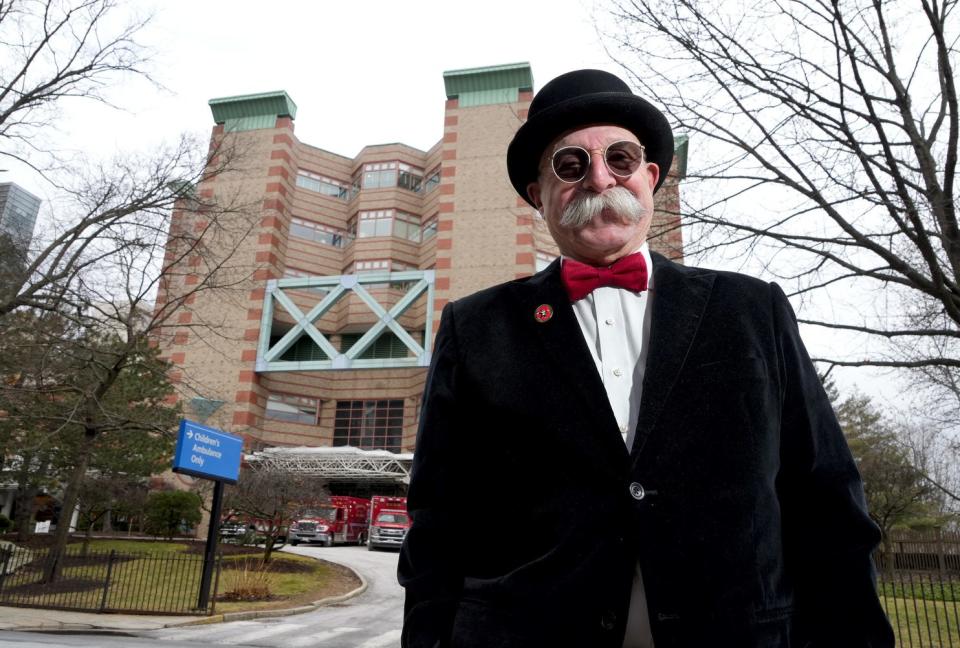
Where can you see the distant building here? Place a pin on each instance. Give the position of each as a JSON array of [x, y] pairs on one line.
[[18, 214], [353, 260]]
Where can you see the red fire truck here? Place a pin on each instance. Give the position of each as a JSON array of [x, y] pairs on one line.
[[388, 521], [343, 520]]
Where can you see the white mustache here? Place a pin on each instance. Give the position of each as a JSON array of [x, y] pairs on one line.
[[587, 206]]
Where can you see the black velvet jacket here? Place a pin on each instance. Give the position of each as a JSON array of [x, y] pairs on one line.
[[739, 497]]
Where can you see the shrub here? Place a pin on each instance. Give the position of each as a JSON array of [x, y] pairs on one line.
[[249, 583], [5, 524], [169, 511]]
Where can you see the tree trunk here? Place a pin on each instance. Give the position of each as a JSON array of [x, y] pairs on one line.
[[27, 490], [108, 522], [26, 493], [267, 548], [889, 557], [58, 549], [85, 547]]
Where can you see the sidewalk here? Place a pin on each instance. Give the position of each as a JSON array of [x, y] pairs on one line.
[[15, 618]]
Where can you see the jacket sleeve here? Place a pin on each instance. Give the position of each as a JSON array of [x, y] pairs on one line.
[[828, 535], [429, 567]]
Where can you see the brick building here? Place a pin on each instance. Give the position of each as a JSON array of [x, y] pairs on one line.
[[351, 262]]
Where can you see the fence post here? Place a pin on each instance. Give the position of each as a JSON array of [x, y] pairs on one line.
[[941, 559], [216, 583], [106, 583], [7, 553]]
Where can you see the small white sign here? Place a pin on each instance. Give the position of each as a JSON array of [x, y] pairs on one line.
[[42, 527]]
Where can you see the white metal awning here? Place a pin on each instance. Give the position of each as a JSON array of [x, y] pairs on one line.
[[336, 463]]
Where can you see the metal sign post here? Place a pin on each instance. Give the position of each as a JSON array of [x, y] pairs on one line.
[[208, 453], [210, 551]]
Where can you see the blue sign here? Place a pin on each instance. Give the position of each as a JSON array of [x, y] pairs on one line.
[[207, 452]]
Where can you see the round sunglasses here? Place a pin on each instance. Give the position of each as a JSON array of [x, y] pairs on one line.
[[571, 163]]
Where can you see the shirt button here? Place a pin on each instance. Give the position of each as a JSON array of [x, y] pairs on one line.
[[608, 321], [636, 491], [623, 428], [617, 373]]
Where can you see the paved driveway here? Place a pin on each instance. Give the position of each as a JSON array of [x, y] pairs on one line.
[[371, 620]]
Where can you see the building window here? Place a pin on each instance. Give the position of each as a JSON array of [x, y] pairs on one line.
[[370, 424], [432, 181], [371, 265], [382, 265], [387, 346], [318, 233], [379, 175], [322, 184], [410, 178], [429, 228], [289, 272], [303, 350], [406, 226], [295, 409], [374, 223], [386, 222]]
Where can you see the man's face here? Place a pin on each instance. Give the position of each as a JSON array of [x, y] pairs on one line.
[[613, 231]]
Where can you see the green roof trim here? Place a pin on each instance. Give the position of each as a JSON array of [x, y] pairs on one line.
[[681, 146], [254, 108], [204, 407], [489, 82]]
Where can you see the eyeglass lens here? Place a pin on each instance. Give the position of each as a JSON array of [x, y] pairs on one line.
[[622, 158]]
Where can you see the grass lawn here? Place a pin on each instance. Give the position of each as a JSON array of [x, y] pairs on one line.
[[293, 580], [165, 576], [918, 623]]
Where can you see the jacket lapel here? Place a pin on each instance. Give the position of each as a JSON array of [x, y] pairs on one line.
[[679, 298], [563, 341]]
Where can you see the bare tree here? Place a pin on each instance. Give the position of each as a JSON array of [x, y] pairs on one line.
[[826, 151], [56, 50], [271, 499], [133, 242]]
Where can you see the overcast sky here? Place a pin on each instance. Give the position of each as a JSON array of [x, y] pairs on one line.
[[360, 73]]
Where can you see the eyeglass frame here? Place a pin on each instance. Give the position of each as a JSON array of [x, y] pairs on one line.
[[603, 152]]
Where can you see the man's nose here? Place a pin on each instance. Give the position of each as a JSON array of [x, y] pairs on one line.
[[598, 177]]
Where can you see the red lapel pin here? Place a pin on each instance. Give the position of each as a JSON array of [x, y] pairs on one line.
[[543, 313]]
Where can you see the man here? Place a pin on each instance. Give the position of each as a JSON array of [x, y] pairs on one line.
[[619, 450]]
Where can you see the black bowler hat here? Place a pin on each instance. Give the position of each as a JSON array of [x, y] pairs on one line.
[[580, 98]]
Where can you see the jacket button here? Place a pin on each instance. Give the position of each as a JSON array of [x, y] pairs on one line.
[[636, 491], [608, 620]]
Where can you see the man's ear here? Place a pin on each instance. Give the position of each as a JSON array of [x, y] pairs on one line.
[[533, 191], [653, 174]]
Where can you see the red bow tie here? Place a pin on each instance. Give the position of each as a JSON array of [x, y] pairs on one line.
[[580, 279]]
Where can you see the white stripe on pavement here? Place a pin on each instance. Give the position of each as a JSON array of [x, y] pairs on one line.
[[279, 628], [198, 632], [391, 638], [317, 638]]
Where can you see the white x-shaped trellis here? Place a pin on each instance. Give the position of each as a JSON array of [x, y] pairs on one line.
[[338, 286]]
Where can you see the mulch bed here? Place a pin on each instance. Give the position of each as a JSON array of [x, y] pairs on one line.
[[69, 585], [277, 565], [227, 549], [233, 597]]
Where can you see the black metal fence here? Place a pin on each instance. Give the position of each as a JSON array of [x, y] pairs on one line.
[[919, 585], [105, 581]]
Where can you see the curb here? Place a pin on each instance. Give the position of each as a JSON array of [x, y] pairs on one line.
[[283, 612]]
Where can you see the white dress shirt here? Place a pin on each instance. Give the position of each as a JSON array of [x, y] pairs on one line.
[[616, 326]]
